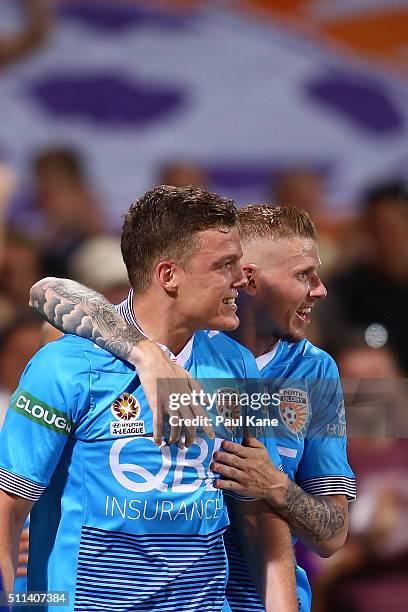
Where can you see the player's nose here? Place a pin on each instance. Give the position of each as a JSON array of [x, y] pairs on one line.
[[318, 290], [240, 279]]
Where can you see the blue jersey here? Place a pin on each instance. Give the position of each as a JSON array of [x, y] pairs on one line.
[[120, 523], [311, 441]]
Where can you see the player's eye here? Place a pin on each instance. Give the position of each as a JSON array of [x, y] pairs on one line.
[[302, 276]]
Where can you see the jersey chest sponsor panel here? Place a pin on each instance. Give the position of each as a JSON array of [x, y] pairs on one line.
[[131, 482], [108, 482]]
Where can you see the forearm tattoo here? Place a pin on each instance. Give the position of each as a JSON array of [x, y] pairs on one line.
[[75, 309], [318, 516]]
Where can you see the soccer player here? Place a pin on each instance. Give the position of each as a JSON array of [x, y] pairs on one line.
[[282, 267], [281, 264], [121, 522]]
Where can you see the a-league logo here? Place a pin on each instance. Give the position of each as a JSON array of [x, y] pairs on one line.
[[126, 407]]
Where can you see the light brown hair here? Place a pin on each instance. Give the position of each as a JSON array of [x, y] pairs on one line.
[[163, 224]]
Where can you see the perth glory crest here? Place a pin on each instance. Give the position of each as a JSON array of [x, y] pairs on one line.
[[294, 409]]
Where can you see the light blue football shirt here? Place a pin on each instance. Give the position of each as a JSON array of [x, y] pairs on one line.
[[120, 523], [311, 439]]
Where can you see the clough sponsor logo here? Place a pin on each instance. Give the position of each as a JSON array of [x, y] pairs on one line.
[[36, 410], [187, 465]]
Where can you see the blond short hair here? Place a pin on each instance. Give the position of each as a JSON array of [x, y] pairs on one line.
[[268, 221]]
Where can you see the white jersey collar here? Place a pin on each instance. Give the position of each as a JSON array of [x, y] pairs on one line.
[[266, 358], [184, 354]]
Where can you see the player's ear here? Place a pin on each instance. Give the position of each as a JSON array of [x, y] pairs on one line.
[[166, 275], [250, 273]]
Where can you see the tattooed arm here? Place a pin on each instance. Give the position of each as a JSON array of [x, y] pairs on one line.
[[75, 309], [319, 521]]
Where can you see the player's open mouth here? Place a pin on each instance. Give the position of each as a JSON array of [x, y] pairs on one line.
[[304, 313], [229, 302]]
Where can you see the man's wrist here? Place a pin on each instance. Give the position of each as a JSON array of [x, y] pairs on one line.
[[142, 351], [276, 492]]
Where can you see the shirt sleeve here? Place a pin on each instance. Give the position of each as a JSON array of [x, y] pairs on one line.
[[42, 416], [324, 468]]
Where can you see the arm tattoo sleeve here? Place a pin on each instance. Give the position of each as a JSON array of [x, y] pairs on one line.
[[75, 309], [318, 516]]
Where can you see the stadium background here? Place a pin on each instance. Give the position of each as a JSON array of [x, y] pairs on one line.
[[296, 102]]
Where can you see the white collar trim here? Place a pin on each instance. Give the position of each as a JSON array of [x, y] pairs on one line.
[[184, 354], [266, 358]]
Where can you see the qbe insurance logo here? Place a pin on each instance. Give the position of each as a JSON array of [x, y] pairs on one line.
[[126, 409]]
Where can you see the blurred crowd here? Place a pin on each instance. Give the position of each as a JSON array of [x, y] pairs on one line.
[[52, 223]]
